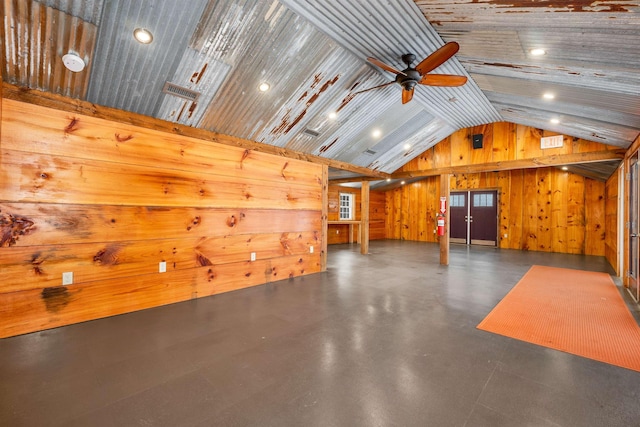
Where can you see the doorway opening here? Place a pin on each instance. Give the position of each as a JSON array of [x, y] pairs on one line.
[[474, 217]]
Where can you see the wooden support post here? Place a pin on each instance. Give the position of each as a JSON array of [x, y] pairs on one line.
[[444, 240], [325, 217], [364, 218]]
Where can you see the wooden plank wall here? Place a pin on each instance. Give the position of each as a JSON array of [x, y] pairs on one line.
[[338, 234], [108, 201], [611, 221], [501, 142], [543, 209]]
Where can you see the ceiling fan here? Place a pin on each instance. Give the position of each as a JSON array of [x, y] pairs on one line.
[[410, 77]]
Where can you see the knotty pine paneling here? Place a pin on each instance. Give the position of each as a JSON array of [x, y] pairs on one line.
[[560, 212], [337, 233], [412, 209], [501, 142], [543, 198], [49, 307], [542, 209], [108, 201], [611, 249], [484, 154], [515, 228], [376, 215], [65, 135], [595, 216]]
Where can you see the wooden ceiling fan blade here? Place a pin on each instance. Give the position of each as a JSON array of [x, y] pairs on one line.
[[407, 95], [384, 66], [375, 87], [437, 58], [442, 80]]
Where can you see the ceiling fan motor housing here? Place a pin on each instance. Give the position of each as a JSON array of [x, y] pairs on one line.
[[409, 80]]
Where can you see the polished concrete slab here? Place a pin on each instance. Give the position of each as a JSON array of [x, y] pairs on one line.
[[386, 339]]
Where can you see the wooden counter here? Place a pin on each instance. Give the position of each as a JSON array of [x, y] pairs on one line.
[[351, 223]]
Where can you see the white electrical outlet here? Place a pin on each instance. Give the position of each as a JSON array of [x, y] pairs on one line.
[[505, 235], [162, 267], [337, 231], [310, 249], [67, 278], [253, 256]]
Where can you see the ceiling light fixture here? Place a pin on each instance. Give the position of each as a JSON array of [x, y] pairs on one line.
[[333, 115], [564, 168], [548, 95], [142, 35], [73, 62], [388, 179], [555, 121], [376, 133], [538, 52], [407, 146], [264, 87], [402, 183]]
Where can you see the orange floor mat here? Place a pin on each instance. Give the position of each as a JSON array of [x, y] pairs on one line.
[[578, 312]]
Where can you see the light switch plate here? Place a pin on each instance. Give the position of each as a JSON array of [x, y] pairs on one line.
[[310, 249], [162, 267], [253, 256], [67, 278]]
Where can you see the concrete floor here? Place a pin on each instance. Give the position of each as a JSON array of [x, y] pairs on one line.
[[387, 339]]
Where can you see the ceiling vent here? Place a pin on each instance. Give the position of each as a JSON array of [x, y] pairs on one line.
[[311, 132], [370, 152], [181, 92]]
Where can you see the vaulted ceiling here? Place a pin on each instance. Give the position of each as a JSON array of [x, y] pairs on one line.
[[313, 54]]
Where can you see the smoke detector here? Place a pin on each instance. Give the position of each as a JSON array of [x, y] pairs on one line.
[[73, 62]]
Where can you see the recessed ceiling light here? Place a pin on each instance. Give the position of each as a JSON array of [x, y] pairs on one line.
[[73, 62], [555, 121], [402, 183], [142, 35], [376, 133], [333, 115], [264, 87], [548, 95], [537, 52], [388, 179], [564, 168], [407, 146]]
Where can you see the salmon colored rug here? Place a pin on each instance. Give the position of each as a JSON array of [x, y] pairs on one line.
[[578, 312]]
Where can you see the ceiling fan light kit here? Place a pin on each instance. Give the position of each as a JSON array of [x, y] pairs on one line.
[[410, 76]]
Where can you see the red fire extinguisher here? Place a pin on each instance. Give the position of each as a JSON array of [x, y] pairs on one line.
[[440, 219]]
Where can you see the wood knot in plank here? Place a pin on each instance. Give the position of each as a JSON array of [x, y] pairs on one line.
[[245, 154], [72, 126], [123, 138], [36, 261], [12, 227], [202, 260], [107, 256]]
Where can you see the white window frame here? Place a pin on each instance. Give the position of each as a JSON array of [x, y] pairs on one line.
[[345, 206]]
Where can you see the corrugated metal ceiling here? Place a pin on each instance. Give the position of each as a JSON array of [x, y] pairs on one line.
[[313, 54], [591, 64]]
